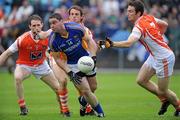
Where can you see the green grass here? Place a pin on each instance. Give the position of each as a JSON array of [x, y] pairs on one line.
[[120, 97]]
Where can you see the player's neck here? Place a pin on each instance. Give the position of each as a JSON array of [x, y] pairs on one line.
[[64, 34]]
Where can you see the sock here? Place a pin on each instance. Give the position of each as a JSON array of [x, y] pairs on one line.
[[162, 99], [63, 96], [178, 108], [88, 108], [21, 103], [82, 101], [98, 109]]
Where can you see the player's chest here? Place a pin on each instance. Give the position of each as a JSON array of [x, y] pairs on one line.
[[34, 46], [71, 40]]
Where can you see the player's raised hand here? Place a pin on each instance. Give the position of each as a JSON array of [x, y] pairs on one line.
[[74, 78], [107, 43]]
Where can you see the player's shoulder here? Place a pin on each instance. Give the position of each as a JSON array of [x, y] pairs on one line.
[[88, 31], [75, 26], [146, 18], [23, 37], [144, 21]]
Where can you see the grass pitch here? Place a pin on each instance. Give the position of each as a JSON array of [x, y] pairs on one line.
[[118, 93]]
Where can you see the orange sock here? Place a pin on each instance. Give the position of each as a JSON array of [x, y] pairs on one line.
[[21, 103], [88, 108], [178, 108], [63, 96]]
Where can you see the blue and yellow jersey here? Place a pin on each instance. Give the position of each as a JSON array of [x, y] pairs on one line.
[[72, 45]]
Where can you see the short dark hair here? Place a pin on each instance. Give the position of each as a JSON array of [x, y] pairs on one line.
[[34, 17], [138, 5], [76, 7], [56, 15]]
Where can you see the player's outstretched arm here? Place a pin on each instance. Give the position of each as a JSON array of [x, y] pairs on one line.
[[4, 56], [44, 34], [107, 43]]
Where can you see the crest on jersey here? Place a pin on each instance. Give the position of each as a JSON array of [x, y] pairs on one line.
[[34, 55], [75, 37]]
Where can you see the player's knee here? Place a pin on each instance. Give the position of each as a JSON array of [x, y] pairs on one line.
[[18, 80], [86, 92], [140, 81], [93, 87]]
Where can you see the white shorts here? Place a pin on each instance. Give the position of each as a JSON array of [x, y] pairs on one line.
[[75, 69], [163, 67], [38, 71]]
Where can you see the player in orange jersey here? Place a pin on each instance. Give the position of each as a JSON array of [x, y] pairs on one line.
[[31, 60], [149, 31], [75, 15]]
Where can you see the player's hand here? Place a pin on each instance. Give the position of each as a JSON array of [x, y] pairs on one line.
[[74, 78], [107, 43]]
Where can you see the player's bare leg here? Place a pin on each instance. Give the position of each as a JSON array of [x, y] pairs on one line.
[[89, 97], [20, 74], [93, 86], [170, 95], [62, 79], [52, 82], [92, 83], [88, 110], [143, 79]]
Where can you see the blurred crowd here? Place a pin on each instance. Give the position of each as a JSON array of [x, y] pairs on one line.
[[103, 17]]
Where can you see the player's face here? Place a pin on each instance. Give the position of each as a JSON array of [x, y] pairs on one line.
[[132, 15], [56, 25], [36, 26], [75, 16]]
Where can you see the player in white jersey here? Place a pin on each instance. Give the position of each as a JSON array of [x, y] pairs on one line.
[[149, 31]]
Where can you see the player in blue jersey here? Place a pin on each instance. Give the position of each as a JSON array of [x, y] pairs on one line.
[[69, 39], [76, 15]]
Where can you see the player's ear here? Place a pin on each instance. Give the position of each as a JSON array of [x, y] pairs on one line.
[[61, 21], [82, 18], [42, 25], [29, 26], [138, 13]]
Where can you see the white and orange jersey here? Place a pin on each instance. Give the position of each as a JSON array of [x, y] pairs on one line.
[[148, 32], [31, 52]]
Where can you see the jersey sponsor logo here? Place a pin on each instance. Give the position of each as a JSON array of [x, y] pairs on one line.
[[71, 48], [69, 42], [35, 55], [75, 36]]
